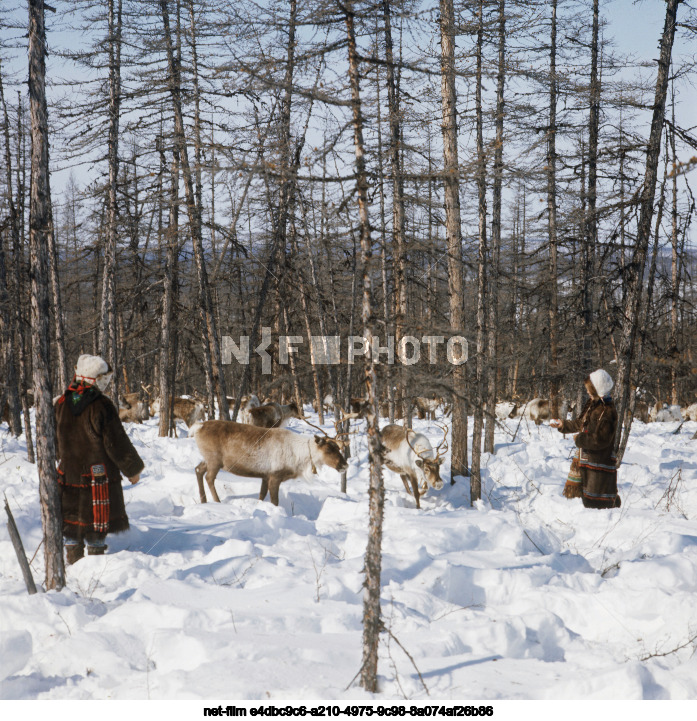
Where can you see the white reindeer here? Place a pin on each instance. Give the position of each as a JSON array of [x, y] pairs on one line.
[[411, 455]]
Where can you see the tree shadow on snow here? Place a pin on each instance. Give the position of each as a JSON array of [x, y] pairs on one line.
[[454, 667]]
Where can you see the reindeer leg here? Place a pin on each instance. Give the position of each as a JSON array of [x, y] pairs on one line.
[[274, 485], [405, 481], [210, 479], [415, 487], [264, 488], [201, 468]]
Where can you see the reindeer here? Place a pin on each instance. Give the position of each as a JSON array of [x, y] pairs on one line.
[[273, 415], [506, 409], [665, 414], [410, 454], [275, 455], [427, 407], [385, 410], [132, 409], [246, 405], [189, 410], [690, 413], [537, 410]]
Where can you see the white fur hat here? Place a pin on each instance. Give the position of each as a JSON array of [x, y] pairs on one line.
[[90, 367], [602, 382]]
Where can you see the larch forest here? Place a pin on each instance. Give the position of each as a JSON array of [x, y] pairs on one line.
[[180, 174]]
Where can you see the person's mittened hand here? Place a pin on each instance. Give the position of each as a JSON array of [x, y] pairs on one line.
[[135, 479], [555, 423]]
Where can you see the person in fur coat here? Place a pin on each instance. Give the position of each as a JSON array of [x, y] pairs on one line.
[[593, 475], [93, 451]]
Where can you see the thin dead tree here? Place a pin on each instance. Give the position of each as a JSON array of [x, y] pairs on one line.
[[167, 342], [589, 238], [22, 337], [551, 164], [39, 240], [8, 328], [398, 216], [372, 621], [453, 233], [215, 380], [476, 480], [496, 234], [635, 270], [107, 325]]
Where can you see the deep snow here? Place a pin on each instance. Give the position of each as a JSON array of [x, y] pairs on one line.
[[525, 596]]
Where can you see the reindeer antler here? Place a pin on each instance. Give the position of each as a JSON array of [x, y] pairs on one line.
[[321, 430], [347, 417], [406, 433], [345, 434], [444, 428], [438, 452], [336, 427]]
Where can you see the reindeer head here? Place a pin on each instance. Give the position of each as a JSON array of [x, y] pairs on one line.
[[361, 407], [336, 444], [429, 468], [429, 472], [331, 453]]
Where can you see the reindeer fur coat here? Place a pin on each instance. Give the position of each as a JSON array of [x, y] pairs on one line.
[[89, 432], [595, 432]]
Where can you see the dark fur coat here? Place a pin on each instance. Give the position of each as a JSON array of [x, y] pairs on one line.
[[89, 432], [595, 432]]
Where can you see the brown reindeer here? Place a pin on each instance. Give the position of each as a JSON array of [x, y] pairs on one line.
[[132, 409], [273, 415], [189, 410], [275, 455], [427, 407]]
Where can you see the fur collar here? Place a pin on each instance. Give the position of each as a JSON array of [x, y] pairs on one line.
[[78, 396]]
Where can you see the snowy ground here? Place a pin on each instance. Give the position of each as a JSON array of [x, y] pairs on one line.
[[525, 596]]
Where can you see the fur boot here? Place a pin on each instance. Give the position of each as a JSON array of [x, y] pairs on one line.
[[96, 550], [574, 485], [73, 553]]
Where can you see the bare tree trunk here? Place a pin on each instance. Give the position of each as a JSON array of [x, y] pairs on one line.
[[22, 338], [589, 236], [215, 380], [496, 236], [451, 183], [165, 385], [398, 235], [476, 481], [636, 269], [372, 622], [64, 374], [8, 326], [39, 240], [297, 395], [552, 218], [389, 327], [304, 293], [8, 361], [645, 310], [107, 326], [674, 351], [214, 347]]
